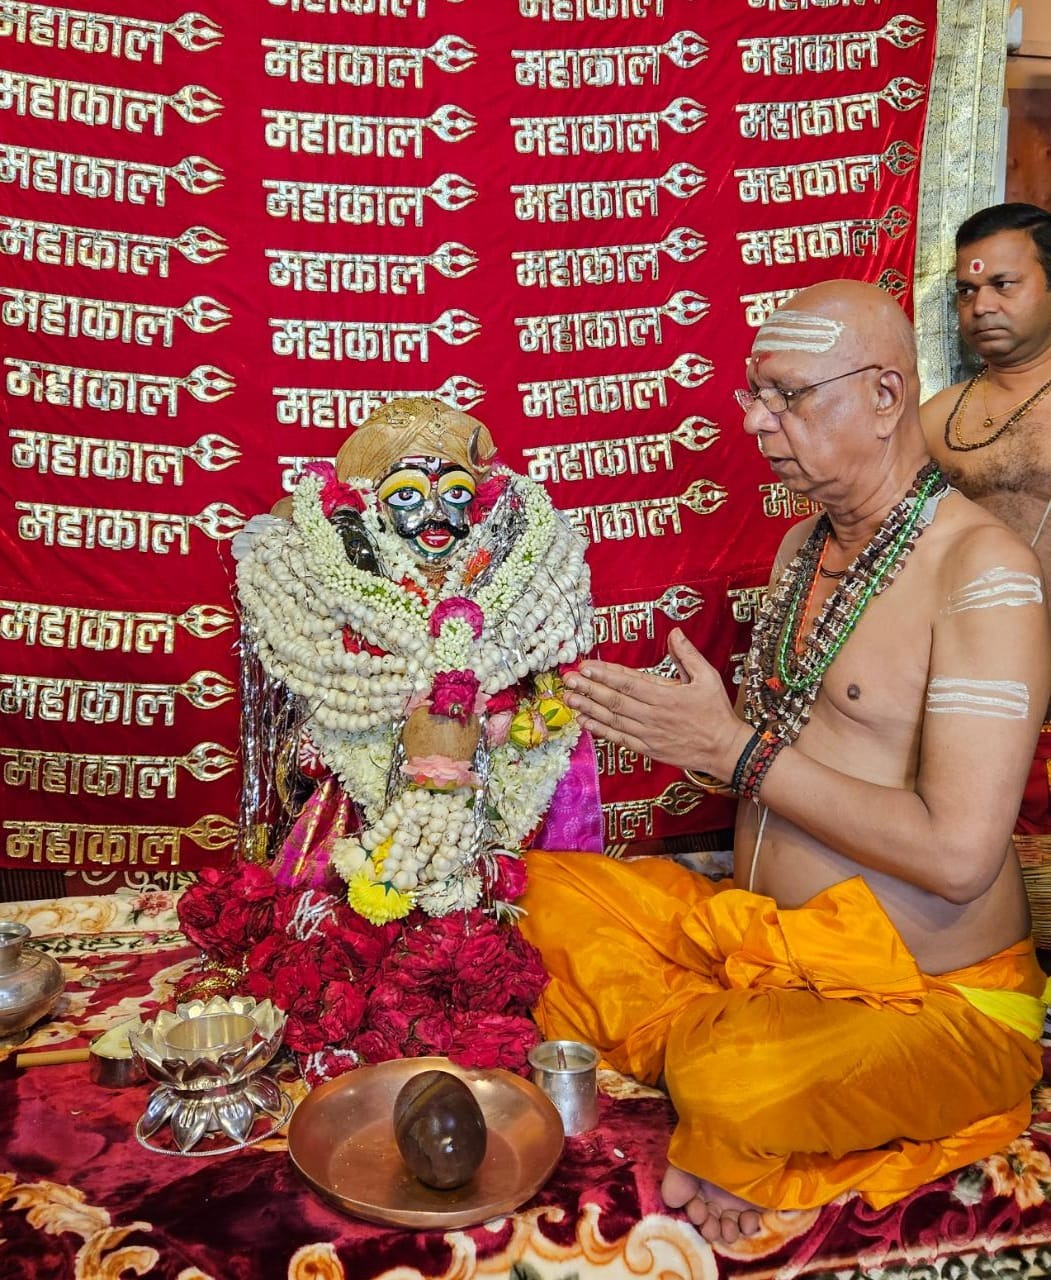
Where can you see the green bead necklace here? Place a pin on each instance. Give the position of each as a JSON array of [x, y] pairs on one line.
[[885, 560], [782, 685]]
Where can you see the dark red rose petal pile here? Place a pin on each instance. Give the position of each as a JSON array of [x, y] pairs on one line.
[[459, 986]]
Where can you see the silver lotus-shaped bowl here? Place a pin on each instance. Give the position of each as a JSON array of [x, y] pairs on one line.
[[207, 1059]]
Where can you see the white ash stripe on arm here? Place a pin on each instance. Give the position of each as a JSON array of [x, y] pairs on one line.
[[999, 699], [996, 587]]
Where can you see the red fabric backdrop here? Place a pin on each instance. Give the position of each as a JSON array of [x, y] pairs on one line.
[[224, 237]]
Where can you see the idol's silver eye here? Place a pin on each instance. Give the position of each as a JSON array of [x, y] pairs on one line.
[[408, 498], [457, 495]]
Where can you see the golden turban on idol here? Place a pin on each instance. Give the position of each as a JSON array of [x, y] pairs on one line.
[[414, 427]]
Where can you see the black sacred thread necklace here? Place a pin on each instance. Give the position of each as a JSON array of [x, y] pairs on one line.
[[953, 436]]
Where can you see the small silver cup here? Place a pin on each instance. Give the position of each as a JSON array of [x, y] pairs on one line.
[[566, 1071]]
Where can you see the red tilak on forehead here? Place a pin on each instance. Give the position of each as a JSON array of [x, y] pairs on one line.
[[433, 466], [976, 267]]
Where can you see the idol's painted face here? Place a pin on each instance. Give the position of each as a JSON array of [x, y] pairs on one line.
[[429, 501]]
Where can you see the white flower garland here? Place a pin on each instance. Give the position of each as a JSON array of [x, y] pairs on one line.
[[299, 591]]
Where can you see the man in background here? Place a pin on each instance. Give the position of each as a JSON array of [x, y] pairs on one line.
[[991, 434]]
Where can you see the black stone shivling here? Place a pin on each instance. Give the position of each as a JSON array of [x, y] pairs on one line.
[[439, 1129]]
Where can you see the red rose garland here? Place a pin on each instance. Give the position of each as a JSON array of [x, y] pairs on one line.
[[459, 986]]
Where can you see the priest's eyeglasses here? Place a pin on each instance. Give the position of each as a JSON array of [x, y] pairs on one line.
[[779, 400]]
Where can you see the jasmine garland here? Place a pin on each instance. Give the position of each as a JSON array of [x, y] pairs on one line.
[[363, 651]]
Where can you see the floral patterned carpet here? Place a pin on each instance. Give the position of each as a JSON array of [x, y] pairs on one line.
[[81, 1199]]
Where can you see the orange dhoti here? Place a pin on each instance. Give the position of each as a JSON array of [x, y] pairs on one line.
[[804, 1051]]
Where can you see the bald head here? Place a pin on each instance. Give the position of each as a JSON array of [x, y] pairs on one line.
[[858, 321], [840, 355]]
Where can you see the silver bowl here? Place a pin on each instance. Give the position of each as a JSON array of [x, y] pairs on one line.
[[208, 1059]]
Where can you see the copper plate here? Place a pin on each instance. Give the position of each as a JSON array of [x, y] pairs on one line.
[[341, 1139]]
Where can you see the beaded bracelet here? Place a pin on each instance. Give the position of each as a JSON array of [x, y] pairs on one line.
[[709, 782], [756, 747], [759, 766], [742, 762]]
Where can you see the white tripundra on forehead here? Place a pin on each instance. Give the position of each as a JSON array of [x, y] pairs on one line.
[[995, 587], [1000, 699], [797, 331]]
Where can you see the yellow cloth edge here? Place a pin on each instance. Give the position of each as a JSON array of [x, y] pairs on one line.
[[1014, 1009]]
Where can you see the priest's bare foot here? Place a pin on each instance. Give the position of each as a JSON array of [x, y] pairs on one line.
[[679, 1187], [716, 1213]]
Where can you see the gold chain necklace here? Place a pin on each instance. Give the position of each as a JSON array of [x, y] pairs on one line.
[[990, 418], [953, 436]]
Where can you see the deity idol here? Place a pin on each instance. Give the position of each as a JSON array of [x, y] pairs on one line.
[[416, 603]]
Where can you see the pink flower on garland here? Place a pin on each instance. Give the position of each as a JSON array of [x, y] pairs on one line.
[[453, 694], [498, 728], [505, 877], [457, 607], [440, 773], [333, 493], [487, 496], [500, 708]]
